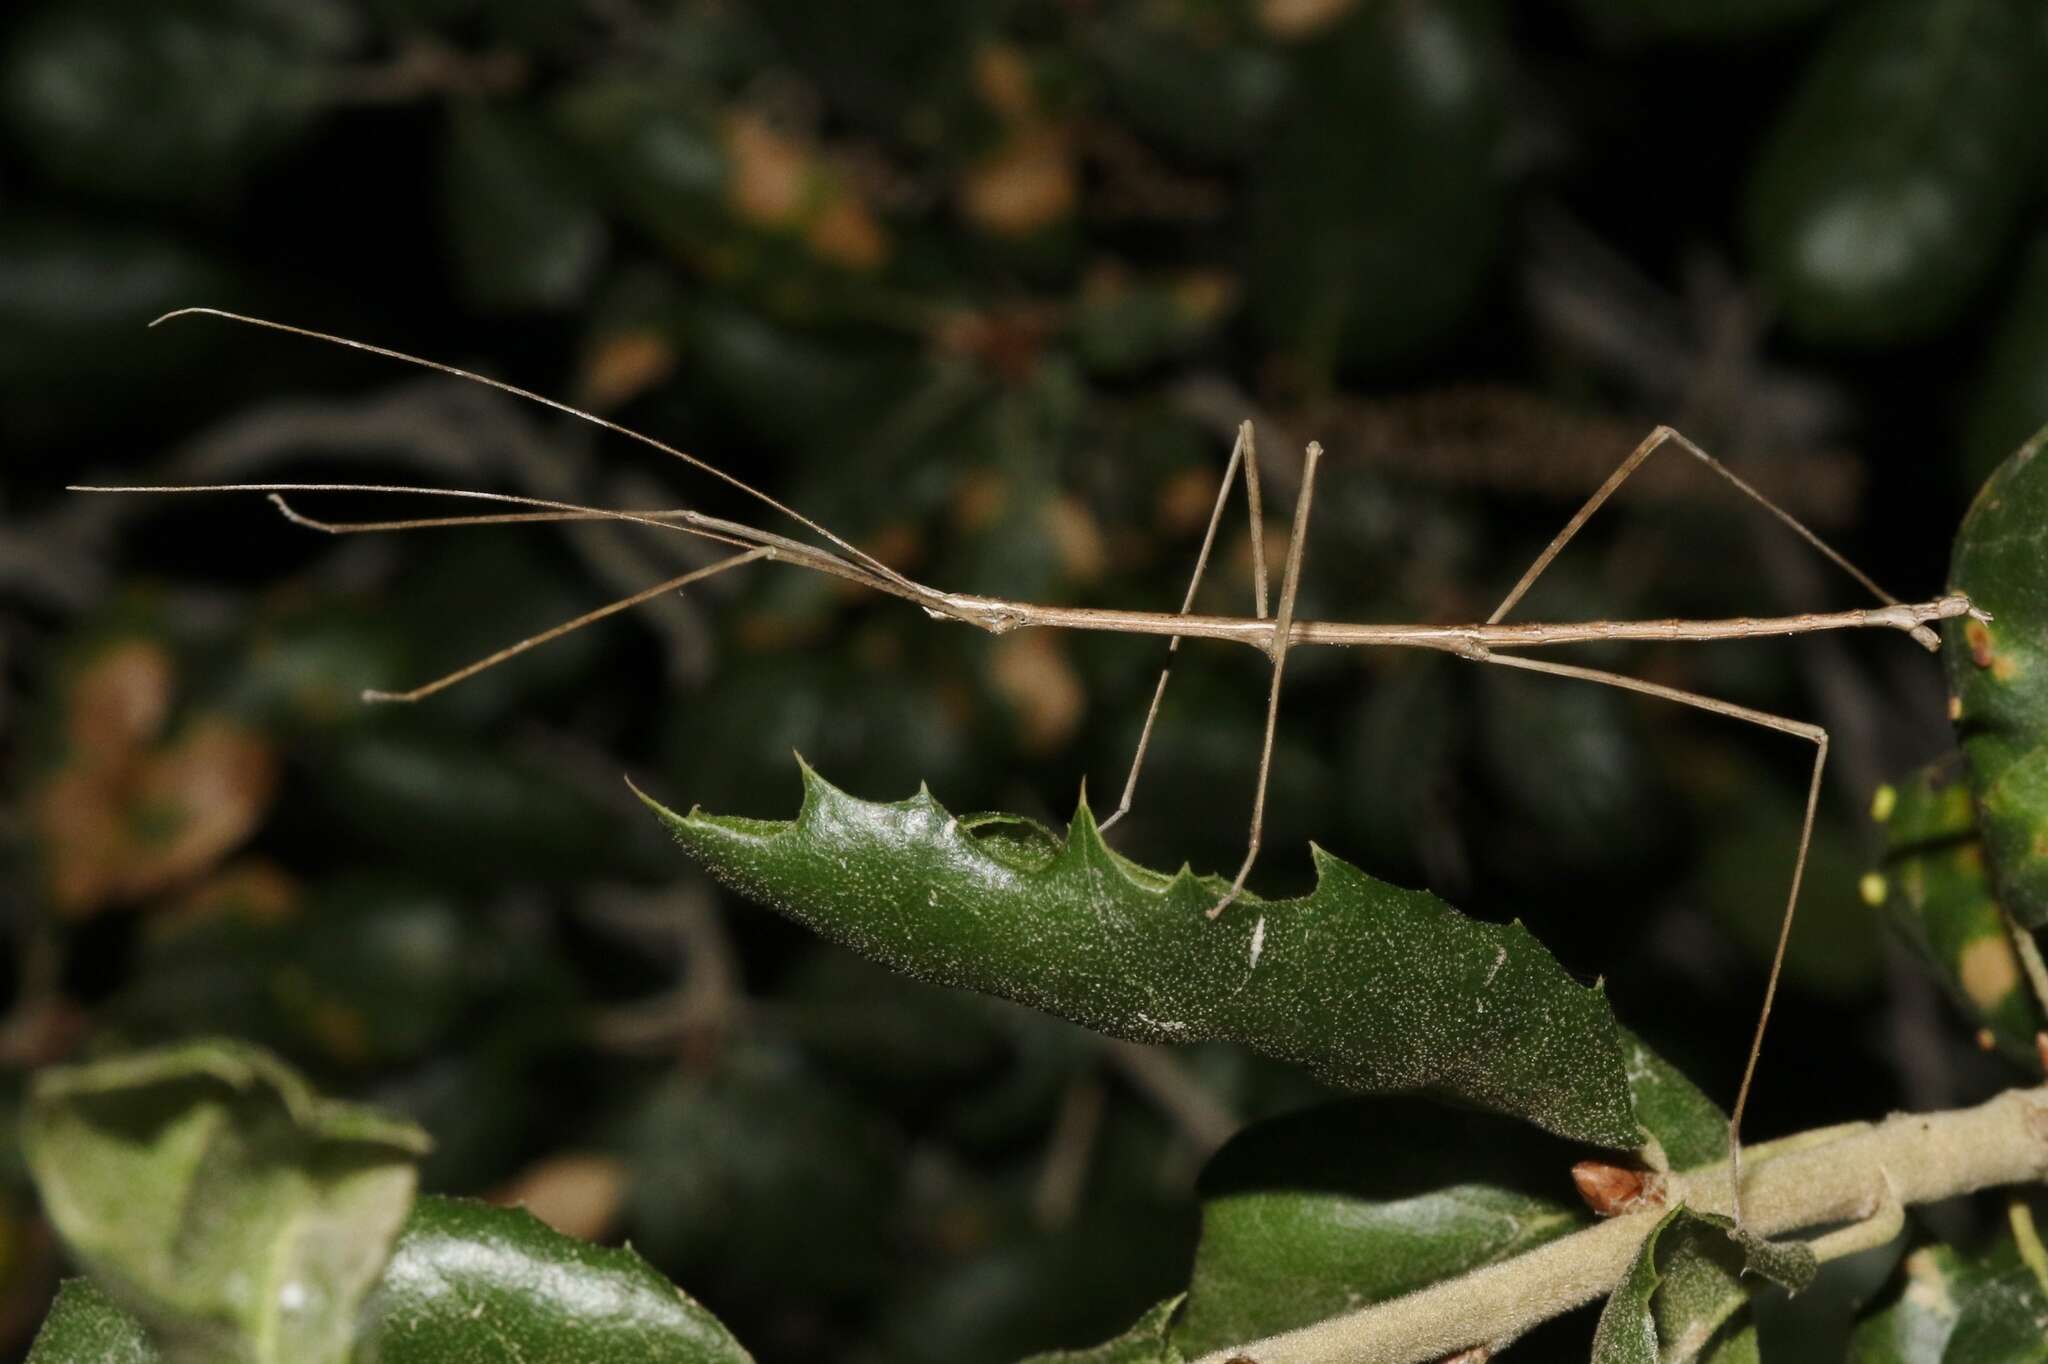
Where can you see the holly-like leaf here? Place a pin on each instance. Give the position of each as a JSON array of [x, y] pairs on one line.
[[1327, 1210], [1145, 1343], [469, 1283], [211, 1192], [1998, 674], [85, 1326], [1935, 892], [1681, 1295], [1373, 987]]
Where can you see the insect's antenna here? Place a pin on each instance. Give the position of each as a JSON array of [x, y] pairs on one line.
[[873, 564], [326, 527]]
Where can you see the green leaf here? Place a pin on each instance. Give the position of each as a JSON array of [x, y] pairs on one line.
[[1375, 245], [1690, 1128], [1145, 1343], [1356, 1202], [2006, 1301], [1915, 1327], [473, 1284], [2010, 401], [1935, 893], [522, 232], [1680, 1296], [464, 810], [240, 1215], [162, 102], [1998, 675], [1372, 987], [1889, 190], [1707, 20], [85, 1326]]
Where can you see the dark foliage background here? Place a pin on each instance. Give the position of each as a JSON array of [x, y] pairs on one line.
[[985, 287]]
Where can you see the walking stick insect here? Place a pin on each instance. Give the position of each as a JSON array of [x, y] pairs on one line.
[[1493, 641]]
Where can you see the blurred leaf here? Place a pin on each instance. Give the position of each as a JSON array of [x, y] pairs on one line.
[[1892, 184], [1704, 19], [1569, 763], [1684, 1288], [212, 1192], [169, 103], [1188, 81], [306, 669], [472, 1284], [1373, 246], [85, 1326], [1935, 893], [1747, 872], [1351, 1203], [75, 298], [902, 70], [522, 231], [378, 971], [2010, 401], [1147, 1342], [762, 1182], [468, 811], [1998, 675], [1948, 1308], [1915, 1326], [1373, 987]]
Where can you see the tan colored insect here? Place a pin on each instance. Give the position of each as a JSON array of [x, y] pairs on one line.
[[1492, 641]]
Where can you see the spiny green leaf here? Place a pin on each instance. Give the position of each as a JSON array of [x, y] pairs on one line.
[[472, 1284], [1356, 1202], [1684, 1289], [1373, 987], [240, 1215], [1935, 892], [85, 1326], [1998, 674], [1144, 1343]]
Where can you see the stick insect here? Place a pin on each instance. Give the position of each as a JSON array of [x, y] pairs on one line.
[[1275, 634]]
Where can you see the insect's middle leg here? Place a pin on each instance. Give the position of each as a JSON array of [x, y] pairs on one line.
[[1244, 453], [1283, 632]]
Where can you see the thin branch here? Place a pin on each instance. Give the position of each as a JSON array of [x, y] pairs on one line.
[[1863, 1171]]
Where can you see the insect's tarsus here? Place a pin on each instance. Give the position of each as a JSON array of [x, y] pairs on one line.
[[1487, 642]]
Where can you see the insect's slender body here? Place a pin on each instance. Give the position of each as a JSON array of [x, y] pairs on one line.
[[1492, 641]]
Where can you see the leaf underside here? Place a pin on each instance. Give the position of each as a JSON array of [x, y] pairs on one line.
[[1373, 987]]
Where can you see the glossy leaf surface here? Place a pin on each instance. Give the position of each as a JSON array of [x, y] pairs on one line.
[[1373, 987], [1324, 1211], [472, 1284], [85, 1326]]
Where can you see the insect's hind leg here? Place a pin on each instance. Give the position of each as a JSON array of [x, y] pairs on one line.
[[1655, 441], [1783, 725], [1244, 453]]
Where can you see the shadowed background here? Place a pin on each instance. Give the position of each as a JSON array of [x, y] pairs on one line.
[[986, 288]]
